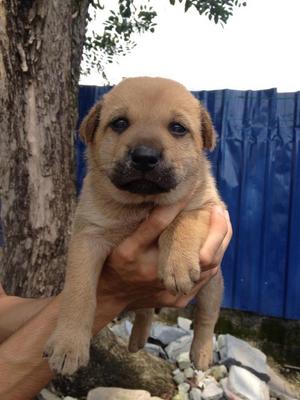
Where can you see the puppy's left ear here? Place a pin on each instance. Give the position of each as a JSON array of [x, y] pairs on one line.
[[90, 123], [208, 132]]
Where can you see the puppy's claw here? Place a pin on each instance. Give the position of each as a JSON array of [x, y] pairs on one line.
[[67, 353], [45, 354]]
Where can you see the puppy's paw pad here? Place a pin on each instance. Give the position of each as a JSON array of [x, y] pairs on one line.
[[67, 354]]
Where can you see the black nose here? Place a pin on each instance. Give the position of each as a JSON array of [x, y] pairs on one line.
[[144, 158]]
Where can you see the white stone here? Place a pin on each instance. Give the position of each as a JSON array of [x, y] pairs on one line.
[[166, 333], [188, 373], [195, 394], [183, 360], [228, 394], [218, 372], [69, 398], [155, 350], [231, 347], [179, 378], [45, 394], [176, 371], [181, 345], [212, 391], [184, 387], [105, 393], [184, 323], [199, 378], [246, 385], [122, 329]]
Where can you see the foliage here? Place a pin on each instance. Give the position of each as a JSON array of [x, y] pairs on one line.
[[129, 18]]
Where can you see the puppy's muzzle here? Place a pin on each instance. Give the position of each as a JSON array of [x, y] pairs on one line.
[[144, 171], [144, 158]]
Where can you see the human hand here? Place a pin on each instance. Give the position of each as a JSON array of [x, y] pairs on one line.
[[131, 270]]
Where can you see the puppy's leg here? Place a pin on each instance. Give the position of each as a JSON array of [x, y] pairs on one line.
[[179, 247], [141, 329], [68, 346], [206, 315]]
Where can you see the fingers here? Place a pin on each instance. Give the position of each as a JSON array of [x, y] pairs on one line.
[[149, 230], [163, 298], [219, 235]]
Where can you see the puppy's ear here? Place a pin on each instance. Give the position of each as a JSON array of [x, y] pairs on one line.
[[90, 123], [208, 132]]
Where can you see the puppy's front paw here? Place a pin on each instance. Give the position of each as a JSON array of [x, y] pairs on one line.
[[202, 357], [67, 352], [179, 275]]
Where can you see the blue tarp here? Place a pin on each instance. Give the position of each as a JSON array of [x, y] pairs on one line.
[[257, 168]]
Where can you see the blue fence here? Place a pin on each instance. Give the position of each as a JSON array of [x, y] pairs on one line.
[[257, 168]]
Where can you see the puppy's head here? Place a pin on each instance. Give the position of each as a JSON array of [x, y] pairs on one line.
[[146, 140]]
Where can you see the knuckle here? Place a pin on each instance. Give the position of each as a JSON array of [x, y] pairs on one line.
[[125, 253], [158, 222]]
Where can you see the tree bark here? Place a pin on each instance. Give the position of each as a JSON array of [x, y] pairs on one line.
[[112, 365], [40, 50]]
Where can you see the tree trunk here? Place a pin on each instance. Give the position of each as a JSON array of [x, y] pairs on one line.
[[40, 50]]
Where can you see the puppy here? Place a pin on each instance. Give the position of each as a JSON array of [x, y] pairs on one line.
[[145, 146]]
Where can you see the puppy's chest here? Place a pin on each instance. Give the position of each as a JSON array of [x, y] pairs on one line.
[[113, 227]]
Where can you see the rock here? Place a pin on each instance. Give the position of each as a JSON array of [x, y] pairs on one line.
[[279, 387], [155, 349], [183, 360], [218, 372], [176, 397], [195, 394], [179, 378], [45, 394], [229, 395], [199, 378], [69, 398], [184, 387], [232, 348], [246, 385], [181, 345], [212, 391], [122, 329], [105, 393], [184, 323], [188, 373], [166, 333]]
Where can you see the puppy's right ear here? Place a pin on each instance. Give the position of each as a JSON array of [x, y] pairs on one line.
[[90, 124]]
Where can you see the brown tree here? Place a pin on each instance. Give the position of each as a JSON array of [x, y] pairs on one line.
[[40, 51]]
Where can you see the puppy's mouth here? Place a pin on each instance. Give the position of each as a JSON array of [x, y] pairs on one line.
[[160, 180], [143, 186]]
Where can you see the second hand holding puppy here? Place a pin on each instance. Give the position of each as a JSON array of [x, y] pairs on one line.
[[135, 260]]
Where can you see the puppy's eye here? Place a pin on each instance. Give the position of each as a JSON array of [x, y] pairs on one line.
[[177, 129], [119, 125]]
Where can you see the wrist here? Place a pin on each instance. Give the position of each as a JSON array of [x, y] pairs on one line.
[[108, 307]]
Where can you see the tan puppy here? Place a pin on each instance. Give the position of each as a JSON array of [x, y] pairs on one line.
[[145, 143]]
